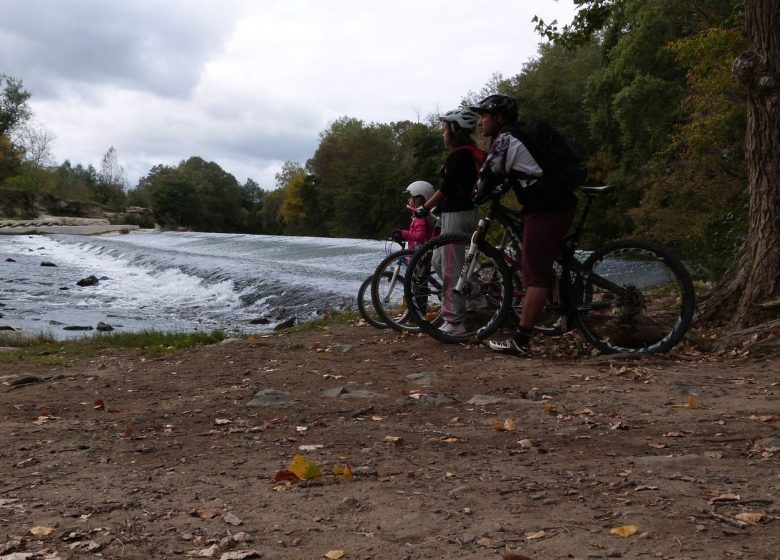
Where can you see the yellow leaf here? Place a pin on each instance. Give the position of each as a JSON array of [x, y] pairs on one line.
[[749, 517], [624, 530], [304, 469], [343, 471], [534, 535], [334, 554], [41, 531], [510, 424], [692, 402]]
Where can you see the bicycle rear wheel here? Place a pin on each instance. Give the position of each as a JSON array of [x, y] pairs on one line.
[[635, 296], [366, 307], [387, 291], [487, 299]]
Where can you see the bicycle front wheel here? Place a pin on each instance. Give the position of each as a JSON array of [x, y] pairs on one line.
[[634, 296], [366, 307], [387, 291], [482, 306]]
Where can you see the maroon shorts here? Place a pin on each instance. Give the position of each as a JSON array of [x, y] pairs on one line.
[[542, 236]]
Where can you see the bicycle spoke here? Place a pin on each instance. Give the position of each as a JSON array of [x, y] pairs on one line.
[[635, 298]]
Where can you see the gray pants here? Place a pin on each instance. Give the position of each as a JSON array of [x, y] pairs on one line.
[[448, 262]]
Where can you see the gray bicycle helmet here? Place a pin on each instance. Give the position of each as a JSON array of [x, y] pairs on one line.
[[502, 104], [420, 188], [464, 118]]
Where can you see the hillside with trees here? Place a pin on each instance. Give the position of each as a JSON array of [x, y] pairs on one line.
[[645, 91]]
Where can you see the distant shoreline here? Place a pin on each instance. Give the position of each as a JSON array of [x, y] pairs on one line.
[[63, 225]]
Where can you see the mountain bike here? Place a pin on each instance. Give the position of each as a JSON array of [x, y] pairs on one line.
[[627, 296], [380, 298], [387, 292]]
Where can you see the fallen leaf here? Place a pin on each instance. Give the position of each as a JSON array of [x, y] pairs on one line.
[[334, 554], [343, 471], [506, 426], [393, 439], [204, 513], [221, 421], [489, 543], [692, 402], [303, 468], [99, 405], [624, 530], [753, 518], [41, 531], [204, 552], [763, 418], [656, 445], [451, 440], [128, 433], [531, 535], [550, 409], [525, 443], [674, 434], [714, 454], [285, 476]]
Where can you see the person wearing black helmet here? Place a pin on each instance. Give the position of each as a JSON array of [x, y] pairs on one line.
[[457, 212], [548, 209]]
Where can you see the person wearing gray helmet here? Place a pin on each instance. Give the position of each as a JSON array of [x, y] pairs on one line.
[[457, 212], [548, 209]]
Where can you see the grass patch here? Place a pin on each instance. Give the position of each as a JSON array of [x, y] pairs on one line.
[[45, 350]]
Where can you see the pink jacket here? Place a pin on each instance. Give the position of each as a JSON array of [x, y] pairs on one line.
[[420, 231]]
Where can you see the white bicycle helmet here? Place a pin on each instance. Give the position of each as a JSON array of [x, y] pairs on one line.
[[464, 118], [420, 188]]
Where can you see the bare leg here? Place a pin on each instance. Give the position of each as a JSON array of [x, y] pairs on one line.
[[533, 304]]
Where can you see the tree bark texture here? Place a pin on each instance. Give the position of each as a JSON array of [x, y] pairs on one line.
[[754, 278]]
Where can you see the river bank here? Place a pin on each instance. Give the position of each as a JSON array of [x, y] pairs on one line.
[[456, 452]]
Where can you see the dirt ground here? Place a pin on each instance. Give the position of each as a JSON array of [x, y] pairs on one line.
[[122, 457]]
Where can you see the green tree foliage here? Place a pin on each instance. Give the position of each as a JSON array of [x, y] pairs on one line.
[[664, 118], [109, 190], [361, 170], [271, 212], [200, 195], [697, 198], [14, 109]]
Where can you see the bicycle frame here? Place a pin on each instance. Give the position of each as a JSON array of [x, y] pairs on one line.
[[512, 222]]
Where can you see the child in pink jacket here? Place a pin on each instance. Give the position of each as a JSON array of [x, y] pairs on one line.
[[421, 229]]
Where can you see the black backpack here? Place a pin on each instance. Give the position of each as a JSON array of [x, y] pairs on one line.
[[560, 165]]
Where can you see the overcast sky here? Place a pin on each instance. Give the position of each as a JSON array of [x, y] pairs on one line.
[[250, 83]]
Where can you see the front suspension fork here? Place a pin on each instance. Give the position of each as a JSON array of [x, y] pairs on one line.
[[470, 263]]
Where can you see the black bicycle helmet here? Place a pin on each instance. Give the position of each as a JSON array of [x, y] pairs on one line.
[[501, 104]]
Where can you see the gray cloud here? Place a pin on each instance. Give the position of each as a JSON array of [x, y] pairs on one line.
[[246, 83], [149, 45]]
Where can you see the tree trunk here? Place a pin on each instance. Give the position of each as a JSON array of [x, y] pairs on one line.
[[754, 278]]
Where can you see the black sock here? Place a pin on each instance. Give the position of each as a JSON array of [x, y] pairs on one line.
[[523, 336]]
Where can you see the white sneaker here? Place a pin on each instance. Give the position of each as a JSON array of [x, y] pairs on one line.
[[453, 328]]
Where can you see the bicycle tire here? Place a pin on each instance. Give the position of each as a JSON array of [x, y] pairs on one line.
[[651, 310], [387, 292], [367, 310], [422, 297]]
